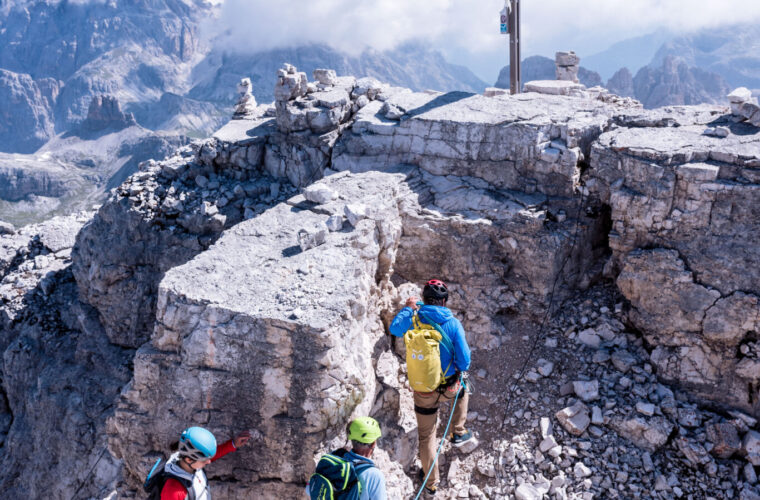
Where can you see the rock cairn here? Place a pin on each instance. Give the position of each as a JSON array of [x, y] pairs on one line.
[[744, 106], [320, 106], [568, 64], [174, 286], [246, 105]]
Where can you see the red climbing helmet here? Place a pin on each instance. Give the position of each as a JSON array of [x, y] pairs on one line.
[[435, 289]]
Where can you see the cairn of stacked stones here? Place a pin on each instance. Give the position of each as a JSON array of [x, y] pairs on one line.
[[568, 64], [246, 105], [744, 106]]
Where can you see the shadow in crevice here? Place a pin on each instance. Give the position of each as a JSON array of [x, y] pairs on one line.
[[741, 128]]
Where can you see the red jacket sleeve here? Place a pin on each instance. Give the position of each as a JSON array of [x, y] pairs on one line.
[[222, 450], [173, 490]]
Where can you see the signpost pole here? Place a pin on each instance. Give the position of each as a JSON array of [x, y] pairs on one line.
[[514, 47]]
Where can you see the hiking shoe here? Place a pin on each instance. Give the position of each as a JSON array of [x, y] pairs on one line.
[[429, 491], [460, 439]]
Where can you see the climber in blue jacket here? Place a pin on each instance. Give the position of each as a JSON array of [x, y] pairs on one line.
[[435, 294]]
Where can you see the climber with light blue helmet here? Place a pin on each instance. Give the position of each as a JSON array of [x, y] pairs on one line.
[[182, 476]]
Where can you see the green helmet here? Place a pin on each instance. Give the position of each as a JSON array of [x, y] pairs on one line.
[[364, 430]]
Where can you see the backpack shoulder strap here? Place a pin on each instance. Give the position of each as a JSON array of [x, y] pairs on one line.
[[445, 340], [362, 466]]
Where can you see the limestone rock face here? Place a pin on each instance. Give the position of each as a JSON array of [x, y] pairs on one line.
[[31, 105], [503, 142], [156, 221], [245, 282], [696, 195], [60, 375], [293, 362], [621, 83]]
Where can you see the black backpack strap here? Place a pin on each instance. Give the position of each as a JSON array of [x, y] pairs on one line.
[[186, 483]]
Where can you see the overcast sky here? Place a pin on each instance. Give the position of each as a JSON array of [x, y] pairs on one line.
[[468, 30]]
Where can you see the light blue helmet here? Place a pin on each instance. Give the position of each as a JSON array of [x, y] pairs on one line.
[[197, 443]]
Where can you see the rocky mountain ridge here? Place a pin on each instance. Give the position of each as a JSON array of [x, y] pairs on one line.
[[231, 284], [151, 59]]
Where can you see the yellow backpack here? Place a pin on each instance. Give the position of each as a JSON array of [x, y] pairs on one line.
[[423, 355]]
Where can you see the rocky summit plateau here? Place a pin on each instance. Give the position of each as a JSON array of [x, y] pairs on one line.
[[603, 259]]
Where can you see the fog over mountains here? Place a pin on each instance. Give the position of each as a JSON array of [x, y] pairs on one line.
[[170, 84]]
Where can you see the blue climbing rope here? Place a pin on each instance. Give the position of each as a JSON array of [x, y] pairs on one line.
[[445, 433]]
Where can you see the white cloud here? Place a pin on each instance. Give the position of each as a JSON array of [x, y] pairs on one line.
[[470, 25]]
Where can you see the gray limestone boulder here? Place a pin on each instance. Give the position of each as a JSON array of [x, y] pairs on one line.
[[294, 361], [647, 433]]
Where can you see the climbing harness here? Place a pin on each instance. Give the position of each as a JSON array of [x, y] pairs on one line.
[[445, 433], [510, 394]]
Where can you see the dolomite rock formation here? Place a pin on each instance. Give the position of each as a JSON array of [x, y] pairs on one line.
[[684, 210], [246, 281], [105, 113]]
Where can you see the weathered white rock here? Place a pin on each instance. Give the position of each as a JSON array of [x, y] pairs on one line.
[[546, 427], [545, 367], [219, 311], [645, 408], [590, 338], [580, 470], [547, 444], [246, 105], [319, 193], [740, 95], [717, 131], [326, 76], [555, 87], [527, 492], [587, 390], [575, 419], [311, 237], [335, 222], [355, 212], [649, 434]]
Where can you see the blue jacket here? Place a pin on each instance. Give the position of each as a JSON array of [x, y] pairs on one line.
[[448, 323]]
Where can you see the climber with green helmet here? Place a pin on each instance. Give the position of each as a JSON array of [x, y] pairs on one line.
[[351, 474], [182, 476]]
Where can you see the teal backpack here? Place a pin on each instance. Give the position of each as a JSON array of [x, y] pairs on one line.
[[336, 478]]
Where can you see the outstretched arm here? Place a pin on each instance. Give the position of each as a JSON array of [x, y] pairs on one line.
[[232, 445]]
